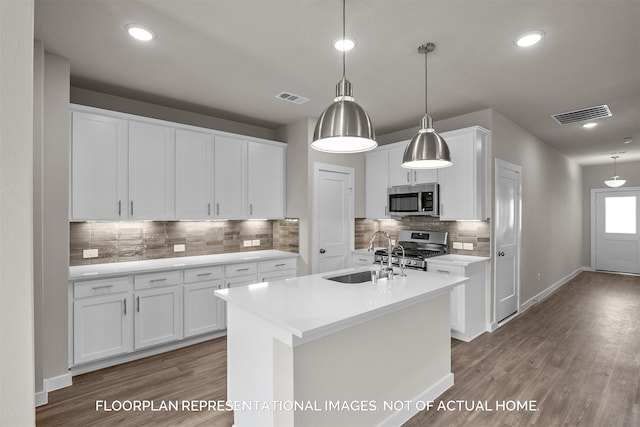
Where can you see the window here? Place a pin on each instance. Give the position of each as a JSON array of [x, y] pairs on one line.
[[620, 215]]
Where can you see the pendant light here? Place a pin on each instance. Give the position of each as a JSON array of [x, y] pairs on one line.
[[614, 181], [344, 127], [427, 149]]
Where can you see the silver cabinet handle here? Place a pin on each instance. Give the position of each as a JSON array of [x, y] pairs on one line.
[[251, 209], [209, 209], [95, 288], [138, 304], [281, 265], [119, 207], [443, 271], [242, 269], [132, 208], [125, 306], [217, 208], [203, 274], [441, 209], [158, 280], [415, 175], [408, 177]]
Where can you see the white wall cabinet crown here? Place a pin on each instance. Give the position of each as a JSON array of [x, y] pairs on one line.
[[131, 167]]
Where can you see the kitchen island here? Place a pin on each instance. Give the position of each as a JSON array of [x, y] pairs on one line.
[[312, 351]]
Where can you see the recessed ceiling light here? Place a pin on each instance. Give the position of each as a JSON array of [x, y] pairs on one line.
[[140, 32], [529, 39], [345, 44], [589, 125]]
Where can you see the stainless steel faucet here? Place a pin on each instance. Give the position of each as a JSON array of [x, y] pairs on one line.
[[389, 268], [402, 262]]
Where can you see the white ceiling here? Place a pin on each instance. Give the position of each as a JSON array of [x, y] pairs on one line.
[[230, 58]]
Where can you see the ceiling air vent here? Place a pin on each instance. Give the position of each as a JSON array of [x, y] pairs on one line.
[[591, 113], [292, 97]]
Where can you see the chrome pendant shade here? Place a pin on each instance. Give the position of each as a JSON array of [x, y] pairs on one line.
[[344, 126], [614, 182], [427, 149]]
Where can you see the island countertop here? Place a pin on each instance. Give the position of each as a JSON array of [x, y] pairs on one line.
[[312, 306]]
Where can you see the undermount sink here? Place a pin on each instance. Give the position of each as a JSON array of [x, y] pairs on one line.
[[356, 277]]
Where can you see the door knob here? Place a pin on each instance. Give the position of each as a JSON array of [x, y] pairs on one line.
[[501, 253], [322, 251]]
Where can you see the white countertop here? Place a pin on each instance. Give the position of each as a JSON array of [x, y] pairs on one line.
[[312, 306], [95, 271], [456, 259]]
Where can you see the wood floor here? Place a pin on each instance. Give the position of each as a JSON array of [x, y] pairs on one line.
[[576, 355]]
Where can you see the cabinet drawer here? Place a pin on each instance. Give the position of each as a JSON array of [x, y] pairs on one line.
[[155, 280], [241, 281], [194, 275], [453, 270], [245, 269], [93, 288], [278, 264]]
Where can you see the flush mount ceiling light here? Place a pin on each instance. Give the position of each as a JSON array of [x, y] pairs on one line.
[[344, 127], [589, 125], [140, 32], [344, 43], [529, 39], [614, 181], [427, 149]]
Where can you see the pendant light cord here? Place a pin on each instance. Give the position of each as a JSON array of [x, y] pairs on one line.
[[344, 34], [426, 83]]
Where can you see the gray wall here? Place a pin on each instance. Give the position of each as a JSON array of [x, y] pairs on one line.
[[16, 227], [594, 177], [552, 217]]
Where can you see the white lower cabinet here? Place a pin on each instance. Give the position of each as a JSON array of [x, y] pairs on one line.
[[468, 301], [158, 316], [241, 274], [203, 311], [102, 319], [277, 269]]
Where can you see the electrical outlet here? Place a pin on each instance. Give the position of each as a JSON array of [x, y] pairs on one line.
[[90, 253], [467, 246], [255, 242], [457, 245], [179, 247], [246, 243]]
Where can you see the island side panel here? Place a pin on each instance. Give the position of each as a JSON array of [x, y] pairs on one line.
[[402, 356]]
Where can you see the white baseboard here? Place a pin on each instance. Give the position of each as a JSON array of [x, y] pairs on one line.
[[537, 298], [429, 395], [551, 289], [42, 398], [51, 384]]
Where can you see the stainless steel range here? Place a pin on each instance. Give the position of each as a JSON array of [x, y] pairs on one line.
[[418, 246]]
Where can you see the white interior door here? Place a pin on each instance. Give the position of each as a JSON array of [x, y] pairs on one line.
[[333, 217], [616, 216], [507, 231]]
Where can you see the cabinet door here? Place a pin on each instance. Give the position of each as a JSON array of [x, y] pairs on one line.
[[397, 174], [265, 182], [230, 183], [203, 311], [98, 167], [194, 175], [158, 316], [424, 176], [102, 327], [457, 309], [151, 171], [376, 183], [463, 185]]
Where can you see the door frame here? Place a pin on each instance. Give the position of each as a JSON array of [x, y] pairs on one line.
[[315, 246], [594, 193], [503, 164]]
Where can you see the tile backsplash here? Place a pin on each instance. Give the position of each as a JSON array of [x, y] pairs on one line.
[[477, 233], [142, 240]]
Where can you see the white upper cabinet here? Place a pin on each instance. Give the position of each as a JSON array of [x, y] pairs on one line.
[[98, 167], [265, 180], [376, 183], [194, 175], [130, 167], [151, 171], [463, 186], [230, 178], [403, 176]]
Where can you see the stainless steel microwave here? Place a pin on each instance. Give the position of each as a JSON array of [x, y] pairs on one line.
[[421, 199]]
